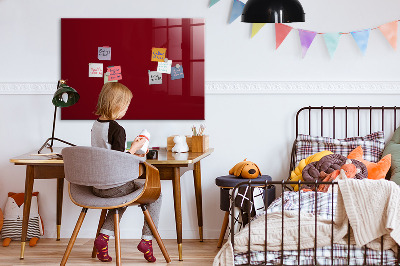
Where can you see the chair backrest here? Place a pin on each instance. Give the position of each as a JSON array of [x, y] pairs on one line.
[[92, 166]]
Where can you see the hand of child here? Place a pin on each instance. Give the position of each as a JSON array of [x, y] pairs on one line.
[[137, 144], [142, 155]]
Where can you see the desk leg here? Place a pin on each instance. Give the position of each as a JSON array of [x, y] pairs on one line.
[[27, 206], [197, 189], [60, 190], [176, 182]]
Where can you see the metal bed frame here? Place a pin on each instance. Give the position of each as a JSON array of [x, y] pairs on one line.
[[283, 184]]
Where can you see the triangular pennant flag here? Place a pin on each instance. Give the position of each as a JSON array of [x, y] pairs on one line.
[[256, 28], [213, 2], [332, 41], [237, 9], [390, 32], [361, 37], [281, 31], [306, 39]]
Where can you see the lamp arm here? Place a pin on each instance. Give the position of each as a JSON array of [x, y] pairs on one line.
[[54, 126]]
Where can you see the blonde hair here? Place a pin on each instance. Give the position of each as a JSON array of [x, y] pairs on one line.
[[113, 98]]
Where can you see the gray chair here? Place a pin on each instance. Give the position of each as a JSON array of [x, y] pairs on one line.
[[85, 167]]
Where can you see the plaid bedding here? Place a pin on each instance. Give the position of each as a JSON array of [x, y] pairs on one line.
[[372, 145], [322, 207]]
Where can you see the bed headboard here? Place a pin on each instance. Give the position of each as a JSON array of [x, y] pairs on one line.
[[344, 121]]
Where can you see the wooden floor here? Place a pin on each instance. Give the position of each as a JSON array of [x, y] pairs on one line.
[[50, 252]]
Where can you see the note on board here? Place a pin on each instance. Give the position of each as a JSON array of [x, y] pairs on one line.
[[177, 72], [164, 67], [106, 75], [155, 77], [158, 54], [115, 73], [95, 70], [104, 53]]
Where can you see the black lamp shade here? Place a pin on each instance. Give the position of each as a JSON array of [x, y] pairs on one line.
[[273, 11], [65, 96]]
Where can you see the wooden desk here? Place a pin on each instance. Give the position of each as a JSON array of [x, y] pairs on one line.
[[171, 167]]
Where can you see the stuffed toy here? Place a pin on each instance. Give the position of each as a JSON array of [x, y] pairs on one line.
[[245, 169], [13, 215], [375, 170], [296, 174], [180, 144]]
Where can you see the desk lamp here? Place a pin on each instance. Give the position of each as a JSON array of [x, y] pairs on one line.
[[273, 11], [65, 96]]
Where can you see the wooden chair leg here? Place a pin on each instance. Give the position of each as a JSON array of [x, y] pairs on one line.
[[154, 230], [223, 229], [101, 222], [117, 238], [73, 237]]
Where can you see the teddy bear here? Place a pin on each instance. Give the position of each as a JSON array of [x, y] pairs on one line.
[[13, 215], [180, 144], [245, 169]]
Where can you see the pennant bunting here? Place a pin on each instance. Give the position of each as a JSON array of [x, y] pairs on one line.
[[306, 39], [389, 30], [237, 9], [213, 2], [256, 27], [281, 31], [361, 38], [332, 41]]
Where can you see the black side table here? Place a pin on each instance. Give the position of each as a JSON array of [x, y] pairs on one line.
[[226, 183]]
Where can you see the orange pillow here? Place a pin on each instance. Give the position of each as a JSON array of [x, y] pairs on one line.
[[375, 170]]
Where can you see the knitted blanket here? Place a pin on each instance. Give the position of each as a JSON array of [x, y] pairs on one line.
[[371, 207]]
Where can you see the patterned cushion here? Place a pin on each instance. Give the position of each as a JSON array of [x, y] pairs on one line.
[[372, 144]]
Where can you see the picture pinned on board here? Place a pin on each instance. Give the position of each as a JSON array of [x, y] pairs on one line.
[[158, 54], [95, 70], [115, 73], [155, 77], [104, 53], [164, 67], [106, 75], [177, 72]]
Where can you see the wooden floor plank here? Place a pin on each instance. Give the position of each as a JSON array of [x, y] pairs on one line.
[[49, 252]]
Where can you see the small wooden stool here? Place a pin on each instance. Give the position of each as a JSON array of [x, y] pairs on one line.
[[226, 183]]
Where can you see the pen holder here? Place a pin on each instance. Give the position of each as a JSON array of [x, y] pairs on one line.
[[200, 143]]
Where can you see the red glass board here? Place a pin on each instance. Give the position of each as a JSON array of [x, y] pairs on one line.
[[131, 42]]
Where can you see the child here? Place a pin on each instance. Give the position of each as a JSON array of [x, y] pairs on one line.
[[113, 102]]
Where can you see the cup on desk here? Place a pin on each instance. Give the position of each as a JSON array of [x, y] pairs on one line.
[[152, 155]]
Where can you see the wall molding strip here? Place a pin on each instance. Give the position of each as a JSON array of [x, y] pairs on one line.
[[248, 87]]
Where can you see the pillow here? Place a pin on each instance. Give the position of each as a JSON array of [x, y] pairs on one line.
[[375, 170], [372, 144], [393, 148]]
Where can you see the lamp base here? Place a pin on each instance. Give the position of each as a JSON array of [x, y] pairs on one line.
[[50, 146]]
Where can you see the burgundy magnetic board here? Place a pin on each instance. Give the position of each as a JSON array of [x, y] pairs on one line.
[[131, 41]]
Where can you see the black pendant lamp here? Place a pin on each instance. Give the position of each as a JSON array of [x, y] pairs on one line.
[[273, 11]]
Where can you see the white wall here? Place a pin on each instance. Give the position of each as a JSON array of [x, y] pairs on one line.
[[259, 127]]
